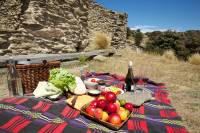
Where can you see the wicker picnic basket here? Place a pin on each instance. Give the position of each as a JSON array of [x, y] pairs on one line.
[[33, 73]]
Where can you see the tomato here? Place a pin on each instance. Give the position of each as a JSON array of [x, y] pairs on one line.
[[93, 80]]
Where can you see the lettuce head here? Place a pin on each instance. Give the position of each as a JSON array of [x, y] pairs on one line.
[[62, 79]]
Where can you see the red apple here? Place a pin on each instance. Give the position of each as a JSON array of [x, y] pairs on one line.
[[98, 113], [110, 97], [118, 106], [90, 110], [101, 103], [94, 103], [129, 106], [103, 93], [111, 108], [114, 119]]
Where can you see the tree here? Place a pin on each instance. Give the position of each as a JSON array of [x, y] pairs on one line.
[[138, 37], [183, 43], [129, 32]]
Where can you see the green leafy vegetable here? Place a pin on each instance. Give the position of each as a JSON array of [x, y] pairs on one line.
[[62, 79]]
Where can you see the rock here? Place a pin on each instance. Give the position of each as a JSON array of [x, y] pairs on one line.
[[49, 33], [100, 58], [70, 16], [4, 36], [77, 11], [2, 40], [3, 43], [7, 51], [32, 26], [71, 1], [68, 50], [64, 39], [118, 55], [72, 21], [58, 47], [1, 52], [46, 50]]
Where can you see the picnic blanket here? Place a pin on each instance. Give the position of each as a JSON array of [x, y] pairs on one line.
[[36, 115]]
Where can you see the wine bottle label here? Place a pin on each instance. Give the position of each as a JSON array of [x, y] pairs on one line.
[[132, 87], [124, 86]]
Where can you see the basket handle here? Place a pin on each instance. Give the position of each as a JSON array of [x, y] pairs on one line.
[[45, 63]]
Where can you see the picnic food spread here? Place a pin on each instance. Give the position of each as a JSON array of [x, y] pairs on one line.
[[99, 104], [81, 112]]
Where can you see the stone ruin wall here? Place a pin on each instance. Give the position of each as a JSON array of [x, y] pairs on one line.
[[107, 21], [56, 26]]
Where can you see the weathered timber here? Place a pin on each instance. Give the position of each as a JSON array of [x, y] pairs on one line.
[[38, 58]]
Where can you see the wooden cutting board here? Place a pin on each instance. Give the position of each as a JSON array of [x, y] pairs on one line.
[[79, 101]]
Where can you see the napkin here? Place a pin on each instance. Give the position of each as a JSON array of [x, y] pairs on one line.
[[46, 89]]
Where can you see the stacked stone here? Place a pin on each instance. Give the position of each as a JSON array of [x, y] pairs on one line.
[[4, 43], [120, 33], [9, 14], [9, 21], [112, 23], [55, 26]]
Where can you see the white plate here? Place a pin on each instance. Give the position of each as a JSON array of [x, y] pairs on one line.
[[122, 91], [96, 79], [94, 92]]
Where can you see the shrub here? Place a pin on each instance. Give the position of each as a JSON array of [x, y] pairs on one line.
[[194, 59], [101, 40], [182, 43], [138, 37], [82, 59], [169, 54], [129, 32], [130, 40]]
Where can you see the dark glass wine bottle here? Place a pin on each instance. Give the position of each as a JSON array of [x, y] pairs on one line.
[[129, 80]]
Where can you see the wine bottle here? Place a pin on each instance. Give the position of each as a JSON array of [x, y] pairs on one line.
[[14, 80], [129, 80]]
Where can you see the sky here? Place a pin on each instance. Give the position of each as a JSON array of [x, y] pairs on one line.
[[151, 15]]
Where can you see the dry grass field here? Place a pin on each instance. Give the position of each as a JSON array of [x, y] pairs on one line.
[[181, 78]]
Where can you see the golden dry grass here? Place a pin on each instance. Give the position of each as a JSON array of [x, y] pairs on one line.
[[182, 79], [169, 55], [100, 40], [194, 59]]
